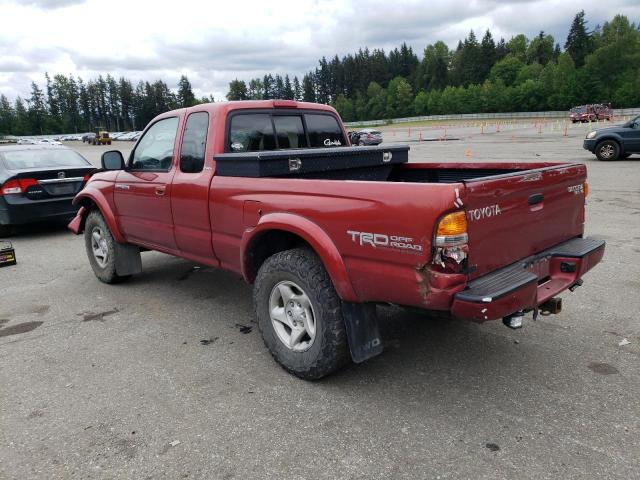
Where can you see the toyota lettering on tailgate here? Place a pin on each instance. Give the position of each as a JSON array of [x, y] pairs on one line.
[[485, 212]]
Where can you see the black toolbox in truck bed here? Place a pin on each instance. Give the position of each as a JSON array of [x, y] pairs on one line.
[[365, 163]]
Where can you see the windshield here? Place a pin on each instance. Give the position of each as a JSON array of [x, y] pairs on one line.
[[24, 159]]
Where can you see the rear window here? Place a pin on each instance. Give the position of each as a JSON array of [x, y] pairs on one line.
[[254, 132], [324, 131], [54, 158]]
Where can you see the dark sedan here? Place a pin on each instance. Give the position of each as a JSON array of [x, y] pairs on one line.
[[38, 183], [616, 142]]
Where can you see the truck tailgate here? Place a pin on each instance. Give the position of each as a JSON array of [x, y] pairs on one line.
[[516, 215]]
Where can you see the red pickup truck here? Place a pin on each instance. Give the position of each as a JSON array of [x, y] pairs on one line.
[[272, 190]]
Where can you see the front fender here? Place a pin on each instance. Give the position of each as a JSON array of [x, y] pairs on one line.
[[610, 136], [315, 236], [92, 196]]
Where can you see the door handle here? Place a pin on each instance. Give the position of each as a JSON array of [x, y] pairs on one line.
[[536, 198], [160, 191]]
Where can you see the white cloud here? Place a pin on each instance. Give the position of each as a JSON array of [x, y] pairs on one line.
[[214, 42]]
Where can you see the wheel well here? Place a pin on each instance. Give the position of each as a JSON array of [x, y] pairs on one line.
[[89, 205], [609, 139], [266, 244]]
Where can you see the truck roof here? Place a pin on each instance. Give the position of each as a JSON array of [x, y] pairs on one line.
[[222, 108]]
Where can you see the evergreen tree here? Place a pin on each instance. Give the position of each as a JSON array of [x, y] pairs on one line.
[[186, 98], [297, 89], [287, 91], [579, 43], [308, 88], [6, 116], [487, 55], [278, 90], [22, 123], [268, 87], [37, 109]]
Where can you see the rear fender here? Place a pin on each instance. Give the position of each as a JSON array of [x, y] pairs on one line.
[[87, 198], [310, 233]]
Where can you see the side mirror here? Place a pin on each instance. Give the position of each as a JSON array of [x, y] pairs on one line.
[[112, 160]]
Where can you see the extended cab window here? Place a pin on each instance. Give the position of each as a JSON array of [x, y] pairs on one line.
[[155, 149], [251, 133], [194, 143], [324, 131]]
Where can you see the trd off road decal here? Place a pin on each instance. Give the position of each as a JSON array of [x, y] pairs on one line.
[[381, 240], [576, 189], [485, 212]]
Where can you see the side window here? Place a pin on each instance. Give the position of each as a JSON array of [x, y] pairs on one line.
[[251, 133], [155, 149], [194, 143], [290, 131], [324, 131]]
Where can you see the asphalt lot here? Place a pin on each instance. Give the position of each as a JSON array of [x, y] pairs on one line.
[[156, 379]]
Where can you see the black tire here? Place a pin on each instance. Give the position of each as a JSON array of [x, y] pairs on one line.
[[329, 350], [106, 273], [607, 150]]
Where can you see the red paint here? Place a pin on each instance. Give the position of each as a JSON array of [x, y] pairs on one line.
[[218, 220]]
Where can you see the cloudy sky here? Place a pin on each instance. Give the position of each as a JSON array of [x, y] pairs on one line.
[[214, 42]]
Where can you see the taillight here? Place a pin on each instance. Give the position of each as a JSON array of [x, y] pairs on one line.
[[586, 189], [450, 242], [86, 178], [18, 185], [452, 230]]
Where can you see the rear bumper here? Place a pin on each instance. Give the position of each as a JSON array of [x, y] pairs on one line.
[[589, 144], [528, 283], [17, 210]]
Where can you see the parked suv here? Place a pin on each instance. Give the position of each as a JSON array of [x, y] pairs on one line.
[[612, 143]]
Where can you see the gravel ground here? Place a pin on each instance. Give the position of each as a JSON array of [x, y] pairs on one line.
[[158, 378]]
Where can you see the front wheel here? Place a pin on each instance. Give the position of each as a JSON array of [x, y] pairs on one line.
[[300, 314], [607, 150], [101, 249]]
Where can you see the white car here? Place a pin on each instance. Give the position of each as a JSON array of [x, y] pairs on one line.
[[48, 141]]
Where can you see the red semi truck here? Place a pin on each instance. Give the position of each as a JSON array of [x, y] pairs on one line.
[[272, 190]]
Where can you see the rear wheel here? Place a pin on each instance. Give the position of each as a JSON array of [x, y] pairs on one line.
[[300, 314], [101, 249], [607, 150]]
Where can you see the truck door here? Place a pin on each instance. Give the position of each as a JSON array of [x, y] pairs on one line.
[[143, 191], [190, 190]]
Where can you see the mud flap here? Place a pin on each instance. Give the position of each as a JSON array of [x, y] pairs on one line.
[[361, 323], [128, 260]]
